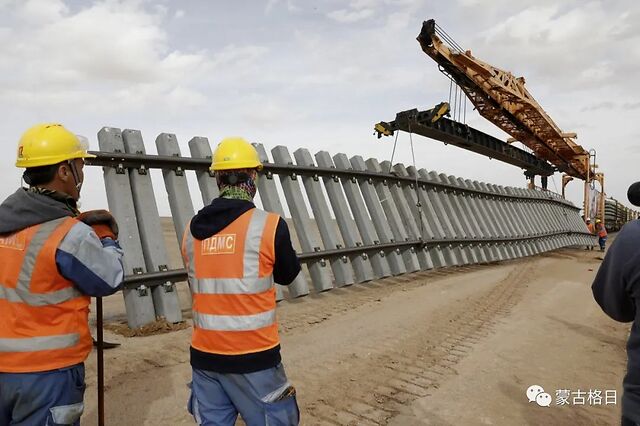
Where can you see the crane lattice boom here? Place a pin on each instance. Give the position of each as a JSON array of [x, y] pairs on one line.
[[503, 99]]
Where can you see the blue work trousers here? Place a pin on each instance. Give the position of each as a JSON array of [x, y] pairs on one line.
[[263, 398], [48, 398], [602, 241]]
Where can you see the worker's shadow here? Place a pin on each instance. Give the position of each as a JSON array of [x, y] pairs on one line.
[[590, 332]]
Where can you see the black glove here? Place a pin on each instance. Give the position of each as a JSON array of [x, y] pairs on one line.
[[102, 222]]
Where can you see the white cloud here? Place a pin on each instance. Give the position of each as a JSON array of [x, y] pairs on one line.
[[358, 10], [106, 42], [111, 55], [264, 112], [599, 73], [173, 98], [270, 5], [297, 77], [291, 6], [529, 23], [399, 20], [574, 44], [160, 9], [35, 12], [347, 16], [238, 56], [110, 41]]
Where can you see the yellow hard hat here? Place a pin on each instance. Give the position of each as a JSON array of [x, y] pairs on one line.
[[235, 153], [47, 144], [598, 221]]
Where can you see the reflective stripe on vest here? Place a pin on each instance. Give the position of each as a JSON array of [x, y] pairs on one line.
[[234, 322], [44, 322], [231, 281], [22, 294], [31, 344], [231, 285]]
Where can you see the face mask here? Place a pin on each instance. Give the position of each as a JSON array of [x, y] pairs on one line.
[[76, 176], [242, 185], [251, 187]]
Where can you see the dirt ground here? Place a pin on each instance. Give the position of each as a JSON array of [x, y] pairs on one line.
[[444, 347]]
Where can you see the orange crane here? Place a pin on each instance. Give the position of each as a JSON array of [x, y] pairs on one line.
[[503, 99]]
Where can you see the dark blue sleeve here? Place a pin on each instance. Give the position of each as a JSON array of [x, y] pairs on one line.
[[286, 266], [617, 283]]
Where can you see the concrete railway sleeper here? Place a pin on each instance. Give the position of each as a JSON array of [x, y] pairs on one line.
[[352, 222]]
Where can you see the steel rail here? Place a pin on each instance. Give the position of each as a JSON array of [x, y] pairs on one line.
[[153, 279], [466, 137], [122, 161]]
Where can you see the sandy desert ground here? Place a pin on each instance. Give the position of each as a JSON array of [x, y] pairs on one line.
[[444, 347]]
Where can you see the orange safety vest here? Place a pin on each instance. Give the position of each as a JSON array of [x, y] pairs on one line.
[[231, 282], [591, 228], [43, 317], [602, 231]]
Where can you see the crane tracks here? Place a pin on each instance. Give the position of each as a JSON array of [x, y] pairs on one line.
[[341, 300], [413, 365]]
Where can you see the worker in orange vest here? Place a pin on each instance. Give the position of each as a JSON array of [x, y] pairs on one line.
[[234, 253], [591, 229], [53, 260], [601, 231]]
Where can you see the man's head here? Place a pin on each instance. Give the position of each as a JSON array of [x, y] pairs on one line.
[[588, 220], [236, 164], [633, 194], [53, 158]]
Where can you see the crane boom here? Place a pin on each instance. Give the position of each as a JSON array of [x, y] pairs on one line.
[[503, 99]]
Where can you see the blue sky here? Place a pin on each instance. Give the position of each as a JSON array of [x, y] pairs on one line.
[[316, 75]]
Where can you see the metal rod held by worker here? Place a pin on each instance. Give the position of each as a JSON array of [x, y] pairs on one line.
[[100, 339]]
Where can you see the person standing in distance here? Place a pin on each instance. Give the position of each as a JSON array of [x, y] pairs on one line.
[[53, 259], [592, 230], [234, 253], [601, 231]]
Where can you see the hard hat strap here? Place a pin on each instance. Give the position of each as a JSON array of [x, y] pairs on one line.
[[75, 174]]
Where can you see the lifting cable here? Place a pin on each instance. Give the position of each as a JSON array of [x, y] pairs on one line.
[[393, 153], [459, 110], [413, 157], [418, 203], [454, 105], [446, 37], [459, 103], [464, 120], [564, 211]]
